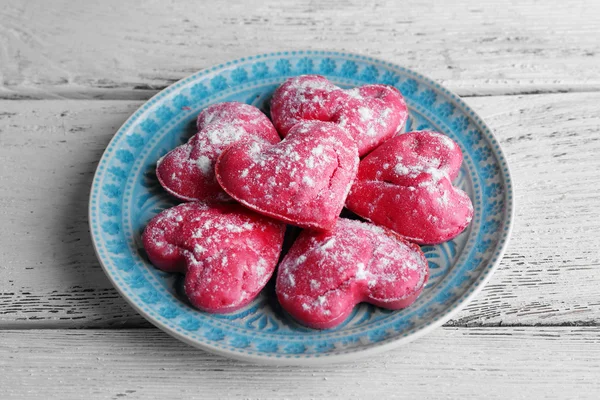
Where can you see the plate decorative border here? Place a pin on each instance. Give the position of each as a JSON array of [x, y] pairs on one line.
[[110, 217]]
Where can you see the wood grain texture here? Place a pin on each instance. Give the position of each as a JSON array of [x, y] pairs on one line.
[[109, 55], [552, 144], [478, 363], [126, 50], [49, 150], [51, 278]]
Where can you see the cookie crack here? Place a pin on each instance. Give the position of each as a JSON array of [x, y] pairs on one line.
[[327, 189], [338, 166]]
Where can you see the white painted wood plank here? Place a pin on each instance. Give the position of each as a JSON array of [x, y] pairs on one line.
[[51, 278], [552, 145], [75, 49], [449, 363], [49, 151]]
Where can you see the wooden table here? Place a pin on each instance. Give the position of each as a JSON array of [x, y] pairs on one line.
[[73, 71]]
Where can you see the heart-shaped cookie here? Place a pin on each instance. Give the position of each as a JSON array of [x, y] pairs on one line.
[[406, 185], [303, 180], [227, 252], [371, 114], [325, 274], [187, 172]]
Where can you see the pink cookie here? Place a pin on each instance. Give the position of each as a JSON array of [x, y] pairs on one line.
[[303, 180], [371, 114], [227, 252], [325, 274], [187, 172], [406, 185]]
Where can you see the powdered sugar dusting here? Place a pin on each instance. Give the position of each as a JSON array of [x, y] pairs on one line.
[[308, 180], [449, 143], [211, 239], [401, 169], [355, 94], [416, 165], [318, 151], [365, 114], [355, 257], [224, 134], [417, 186], [328, 244], [262, 266], [188, 171], [385, 114], [254, 151], [361, 273], [370, 114], [204, 164], [302, 180]]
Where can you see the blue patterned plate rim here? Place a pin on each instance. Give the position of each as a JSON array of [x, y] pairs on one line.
[[471, 271]]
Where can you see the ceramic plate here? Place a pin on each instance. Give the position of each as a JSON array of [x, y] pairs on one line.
[[125, 195]]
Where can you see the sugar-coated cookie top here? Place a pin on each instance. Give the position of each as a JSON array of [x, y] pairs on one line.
[[370, 114], [303, 180], [187, 172], [227, 252], [406, 185], [325, 274]]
